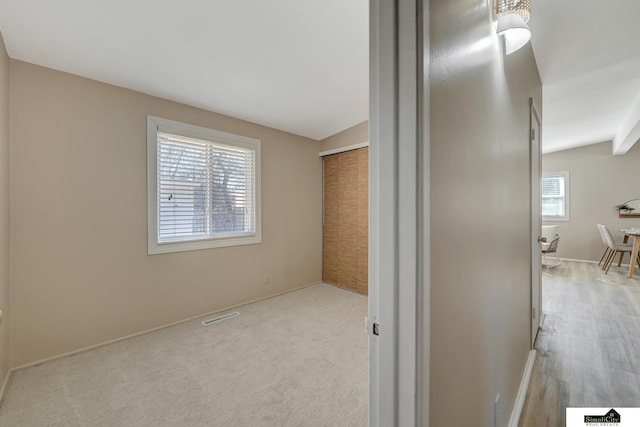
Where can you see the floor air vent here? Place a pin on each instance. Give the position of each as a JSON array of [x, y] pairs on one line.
[[220, 318]]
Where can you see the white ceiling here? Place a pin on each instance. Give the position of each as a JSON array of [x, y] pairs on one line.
[[302, 66], [298, 66], [588, 55]]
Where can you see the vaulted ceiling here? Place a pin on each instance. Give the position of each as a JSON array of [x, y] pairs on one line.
[[588, 55], [302, 66]]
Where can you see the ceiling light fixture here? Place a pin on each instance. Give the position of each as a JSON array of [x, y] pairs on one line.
[[513, 16]]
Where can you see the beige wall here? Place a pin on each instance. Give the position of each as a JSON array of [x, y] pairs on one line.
[[480, 207], [80, 270], [4, 212], [598, 182], [354, 135]]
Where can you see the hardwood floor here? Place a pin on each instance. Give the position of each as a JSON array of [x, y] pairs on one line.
[[589, 344]]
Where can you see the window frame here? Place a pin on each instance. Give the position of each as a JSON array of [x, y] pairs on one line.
[[158, 124], [566, 198]]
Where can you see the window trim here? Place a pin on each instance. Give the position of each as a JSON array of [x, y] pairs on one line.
[[158, 124], [567, 204]]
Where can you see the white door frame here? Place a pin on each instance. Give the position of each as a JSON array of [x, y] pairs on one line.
[[399, 209], [536, 222]]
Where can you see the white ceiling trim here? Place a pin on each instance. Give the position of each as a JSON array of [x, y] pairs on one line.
[[629, 132]]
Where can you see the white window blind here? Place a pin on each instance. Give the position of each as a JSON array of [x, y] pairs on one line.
[[555, 195], [206, 190]]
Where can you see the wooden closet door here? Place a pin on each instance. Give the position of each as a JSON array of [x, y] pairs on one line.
[[346, 219], [330, 221], [363, 221]]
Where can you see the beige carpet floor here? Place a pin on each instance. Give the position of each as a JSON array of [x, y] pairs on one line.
[[299, 359]]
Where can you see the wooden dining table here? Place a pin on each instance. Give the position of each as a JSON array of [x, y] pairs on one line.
[[635, 234]]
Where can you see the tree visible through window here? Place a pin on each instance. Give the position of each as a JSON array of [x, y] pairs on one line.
[[205, 190]]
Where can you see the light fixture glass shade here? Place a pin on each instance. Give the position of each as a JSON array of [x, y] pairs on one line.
[[515, 31]]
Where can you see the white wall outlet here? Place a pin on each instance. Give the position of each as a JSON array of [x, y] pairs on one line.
[[267, 279]]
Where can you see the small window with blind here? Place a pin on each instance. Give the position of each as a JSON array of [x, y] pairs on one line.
[[203, 188], [555, 196]]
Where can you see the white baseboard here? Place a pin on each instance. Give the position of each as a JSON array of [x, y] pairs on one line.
[[4, 384], [82, 350], [580, 260], [522, 391], [588, 261]]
